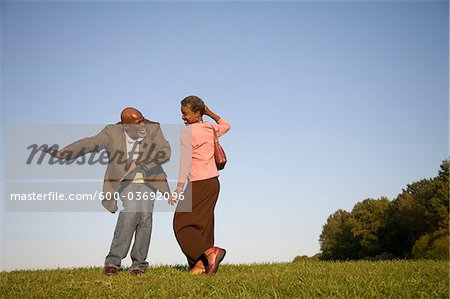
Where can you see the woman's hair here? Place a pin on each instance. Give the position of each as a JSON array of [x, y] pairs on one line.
[[194, 103]]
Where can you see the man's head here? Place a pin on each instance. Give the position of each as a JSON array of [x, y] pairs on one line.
[[131, 115], [133, 121]]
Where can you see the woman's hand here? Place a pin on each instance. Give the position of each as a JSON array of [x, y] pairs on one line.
[[173, 198], [176, 195], [211, 114]]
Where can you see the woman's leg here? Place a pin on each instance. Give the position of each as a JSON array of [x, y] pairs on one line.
[[195, 230]]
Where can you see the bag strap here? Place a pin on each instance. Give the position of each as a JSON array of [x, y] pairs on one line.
[[216, 138]]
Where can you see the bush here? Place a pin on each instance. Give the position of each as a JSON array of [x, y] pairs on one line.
[[432, 246], [382, 257], [299, 258]]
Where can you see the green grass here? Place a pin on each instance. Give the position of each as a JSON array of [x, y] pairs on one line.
[[306, 279]]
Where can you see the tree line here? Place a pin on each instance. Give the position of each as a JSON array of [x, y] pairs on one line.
[[413, 225]]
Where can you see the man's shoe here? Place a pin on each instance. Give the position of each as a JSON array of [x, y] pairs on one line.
[[108, 271], [136, 272]]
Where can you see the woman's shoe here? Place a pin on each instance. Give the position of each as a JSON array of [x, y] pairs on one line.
[[220, 254], [198, 268]]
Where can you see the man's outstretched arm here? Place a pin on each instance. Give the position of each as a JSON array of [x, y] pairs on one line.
[[81, 147]]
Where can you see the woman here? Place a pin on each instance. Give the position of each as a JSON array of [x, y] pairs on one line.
[[195, 230]]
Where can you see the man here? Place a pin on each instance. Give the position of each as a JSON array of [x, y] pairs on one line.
[[136, 148]]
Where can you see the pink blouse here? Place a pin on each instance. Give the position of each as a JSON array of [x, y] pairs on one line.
[[197, 150]]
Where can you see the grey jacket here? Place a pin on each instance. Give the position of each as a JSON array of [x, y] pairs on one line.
[[154, 150]]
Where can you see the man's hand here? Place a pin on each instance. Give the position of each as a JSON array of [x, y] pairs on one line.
[[132, 167], [55, 152]]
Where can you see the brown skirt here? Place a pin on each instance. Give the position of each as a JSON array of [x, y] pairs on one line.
[[195, 230]]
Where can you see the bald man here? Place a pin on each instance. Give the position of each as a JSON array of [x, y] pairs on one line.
[[136, 148]]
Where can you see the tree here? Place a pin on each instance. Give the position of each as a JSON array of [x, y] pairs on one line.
[[369, 223], [422, 208], [336, 240], [418, 217]]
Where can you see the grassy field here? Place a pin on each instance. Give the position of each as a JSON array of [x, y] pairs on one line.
[[306, 279]]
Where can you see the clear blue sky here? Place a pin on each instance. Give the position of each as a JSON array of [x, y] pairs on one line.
[[330, 103]]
